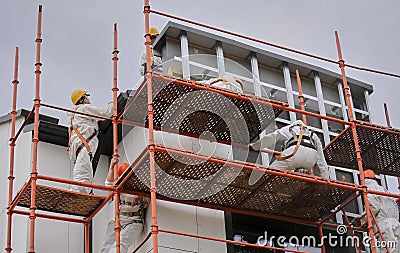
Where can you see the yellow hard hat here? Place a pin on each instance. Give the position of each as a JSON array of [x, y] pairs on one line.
[[369, 173], [154, 31], [76, 95]]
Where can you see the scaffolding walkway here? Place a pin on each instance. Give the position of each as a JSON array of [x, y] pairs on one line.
[[309, 200], [379, 147]]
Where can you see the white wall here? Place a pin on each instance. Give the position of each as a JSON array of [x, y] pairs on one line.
[[64, 237], [179, 217], [21, 167], [186, 219]]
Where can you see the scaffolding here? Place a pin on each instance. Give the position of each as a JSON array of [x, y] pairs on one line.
[[310, 199]]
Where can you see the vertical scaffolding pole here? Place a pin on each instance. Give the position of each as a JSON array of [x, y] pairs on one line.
[[321, 235], [35, 139], [151, 146], [356, 145], [301, 97], [87, 238], [115, 89], [12, 150], [387, 115], [389, 126]]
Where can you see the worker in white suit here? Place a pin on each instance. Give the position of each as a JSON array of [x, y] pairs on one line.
[[132, 210], [386, 213], [83, 141], [227, 82], [308, 153], [155, 57]]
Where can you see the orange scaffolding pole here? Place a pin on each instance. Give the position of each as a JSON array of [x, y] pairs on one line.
[[262, 169], [151, 145], [62, 180], [87, 238], [35, 138], [338, 208], [12, 150], [69, 110], [115, 155], [24, 123], [247, 97], [271, 44], [49, 216], [321, 235], [389, 126], [355, 138], [351, 228]]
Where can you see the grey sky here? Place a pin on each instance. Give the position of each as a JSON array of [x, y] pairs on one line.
[[78, 37]]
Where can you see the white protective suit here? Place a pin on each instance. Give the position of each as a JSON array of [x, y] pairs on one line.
[[226, 82], [131, 224], [83, 171], [156, 59], [304, 158], [387, 215]]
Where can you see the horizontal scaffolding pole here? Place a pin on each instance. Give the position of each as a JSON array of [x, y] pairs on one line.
[[66, 181], [72, 111], [243, 37], [233, 210], [167, 130], [271, 44], [387, 194], [371, 70], [48, 216], [248, 97], [263, 169]]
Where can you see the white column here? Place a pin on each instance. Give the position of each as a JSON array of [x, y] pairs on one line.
[[342, 101], [368, 104], [256, 74], [289, 90], [257, 91], [185, 55], [321, 106], [220, 59]]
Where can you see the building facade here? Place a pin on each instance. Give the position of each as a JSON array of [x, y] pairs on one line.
[[195, 55]]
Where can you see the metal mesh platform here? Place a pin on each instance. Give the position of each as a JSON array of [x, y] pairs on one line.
[[191, 108], [271, 194], [61, 201], [380, 149]]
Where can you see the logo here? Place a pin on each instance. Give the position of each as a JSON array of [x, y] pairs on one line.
[[341, 229], [330, 240]]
